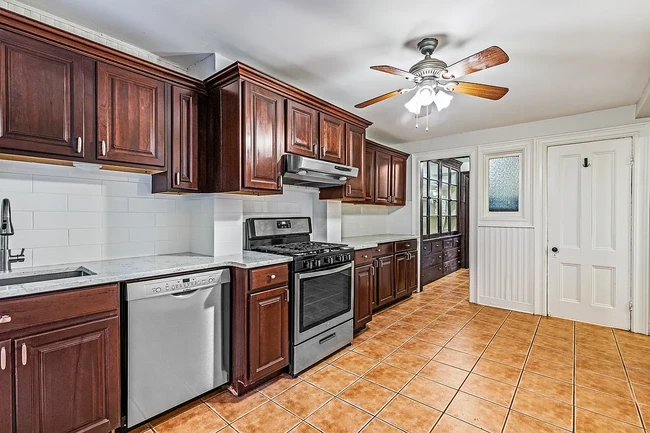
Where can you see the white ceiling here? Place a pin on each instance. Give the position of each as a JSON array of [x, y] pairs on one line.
[[566, 56]]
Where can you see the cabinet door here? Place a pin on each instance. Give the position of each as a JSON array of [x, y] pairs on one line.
[[185, 139], [68, 380], [401, 274], [6, 387], [370, 175], [385, 280], [130, 117], [398, 180], [364, 286], [46, 97], [356, 157], [332, 139], [268, 332], [382, 177], [412, 272], [264, 137], [302, 130]]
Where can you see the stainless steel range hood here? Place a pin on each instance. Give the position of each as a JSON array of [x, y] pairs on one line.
[[301, 171]]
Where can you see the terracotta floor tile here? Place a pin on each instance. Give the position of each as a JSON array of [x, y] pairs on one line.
[[375, 349], [421, 347], [543, 408], [478, 412], [489, 389], [504, 357], [409, 415], [516, 334], [231, 407], [605, 368], [404, 328], [367, 396], [379, 426], [550, 369], [445, 374], [548, 354], [590, 422], [199, 419], [591, 352], [303, 427], [332, 379], [555, 343], [355, 363], [520, 423], [279, 385], [449, 424], [638, 377], [417, 320], [312, 370], [466, 345], [547, 387], [457, 359], [391, 338], [429, 392], [475, 335], [303, 399], [606, 384], [388, 376], [434, 336], [406, 361], [510, 345], [497, 371], [642, 394], [605, 404], [645, 414], [338, 416], [268, 417]]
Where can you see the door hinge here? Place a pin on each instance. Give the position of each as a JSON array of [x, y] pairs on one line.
[[632, 160], [631, 306]]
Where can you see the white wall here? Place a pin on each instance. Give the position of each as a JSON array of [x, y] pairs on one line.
[[64, 214]]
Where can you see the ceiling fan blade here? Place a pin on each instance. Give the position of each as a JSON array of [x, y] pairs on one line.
[[394, 71], [382, 97], [485, 59], [481, 90]]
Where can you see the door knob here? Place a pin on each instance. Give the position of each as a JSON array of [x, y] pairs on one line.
[[554, 249]]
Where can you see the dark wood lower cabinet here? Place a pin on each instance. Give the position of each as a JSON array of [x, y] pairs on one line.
[[268, 332], [68, 380], [6, 387], [364, 293], [401, 274], [412, 272], [385, 280], [440, 256]]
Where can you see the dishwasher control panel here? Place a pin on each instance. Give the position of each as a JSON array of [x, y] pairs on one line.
[[177, 284]]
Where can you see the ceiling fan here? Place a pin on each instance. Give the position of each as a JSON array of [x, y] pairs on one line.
[[435, 81]]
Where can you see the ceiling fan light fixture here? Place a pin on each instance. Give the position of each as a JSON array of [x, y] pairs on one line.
[[442, 100]]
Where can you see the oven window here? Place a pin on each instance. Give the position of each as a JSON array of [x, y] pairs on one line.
[[324, 298]]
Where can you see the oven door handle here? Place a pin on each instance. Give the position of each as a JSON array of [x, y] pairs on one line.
[[303, 275]]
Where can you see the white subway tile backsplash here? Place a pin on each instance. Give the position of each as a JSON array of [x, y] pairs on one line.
[[36, 202], [131, 249], [22, 220], [128, 219], [98, 236], [69, 254], [67, 220], [151, 205], [15, 182], [63, 185], [86, 203], [39, 238], [126, 189]]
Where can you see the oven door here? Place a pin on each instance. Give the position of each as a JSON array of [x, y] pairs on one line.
[[322, 300]]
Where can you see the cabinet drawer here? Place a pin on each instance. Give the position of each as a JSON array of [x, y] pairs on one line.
[[451, 254], [363, 257], [408, 245], [431, 260], [431, 274], [382, 250], [447, 243], [451, 266], [54, 307], [457, 241], [270, 276], [427, 248], [436, 245]]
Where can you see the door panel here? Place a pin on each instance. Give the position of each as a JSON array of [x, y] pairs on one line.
[[46, 98], [364, 286], [185, 138], [264, 137], [589, 223], [370, 175], [6, 387], [268, 332], [401, 274], [68, 380], [412, 274], [356, 157], [302, 130], [130, 117], [398, 181], [385, 280], [382, 177], [332, 139]]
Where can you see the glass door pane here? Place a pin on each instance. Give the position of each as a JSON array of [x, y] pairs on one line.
[[444, 191], [433, 225], [454, 177], [433, 189], [433, 207], [454, 224], [453, 208], [445, 174], [444, 227], [433, 170], [453, 192]]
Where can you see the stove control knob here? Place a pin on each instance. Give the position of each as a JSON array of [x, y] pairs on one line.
[[328, 260], [309, 264]]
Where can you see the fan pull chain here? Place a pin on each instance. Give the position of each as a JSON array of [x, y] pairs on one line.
[[416, 121], [427, 130]]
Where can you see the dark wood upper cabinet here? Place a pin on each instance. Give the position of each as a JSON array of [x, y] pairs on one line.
[[6, 387], [268, 332], [356, 157], [385, 280], [264, 137], [383, 182], [364, 288], [130, 117], [398, 180], [47, 99], [370, 175], [332, 139], [68, 380], [302, 130]]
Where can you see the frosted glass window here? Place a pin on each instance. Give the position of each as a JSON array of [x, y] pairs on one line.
[[503, 184]]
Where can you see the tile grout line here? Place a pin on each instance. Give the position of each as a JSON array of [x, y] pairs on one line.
[[629, 382]]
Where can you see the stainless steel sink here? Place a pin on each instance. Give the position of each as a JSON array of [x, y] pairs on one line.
[[34, 278]]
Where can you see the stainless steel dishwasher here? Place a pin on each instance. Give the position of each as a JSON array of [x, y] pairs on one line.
[[178, 339]]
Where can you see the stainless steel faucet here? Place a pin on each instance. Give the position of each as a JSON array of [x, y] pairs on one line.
[[6, 230]]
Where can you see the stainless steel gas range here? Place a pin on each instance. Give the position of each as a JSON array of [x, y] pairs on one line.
[[322, 286]]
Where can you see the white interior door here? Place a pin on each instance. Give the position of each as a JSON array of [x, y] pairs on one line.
[[589, 212]]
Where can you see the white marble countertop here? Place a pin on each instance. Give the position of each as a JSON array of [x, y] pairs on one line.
[[134, 268], [370, 241]]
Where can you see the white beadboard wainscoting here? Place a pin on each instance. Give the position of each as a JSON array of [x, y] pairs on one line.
[[506, 267]]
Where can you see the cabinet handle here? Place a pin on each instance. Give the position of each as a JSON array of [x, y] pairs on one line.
[[372, 269], [178, 178], [80, 145], [349, 188], [286, 294], [280, 182], [378, 250], [424, 248], [24, 354], [365, 256], [324, 150], [272, 276], [408, 245], [103, 147], [5, 318], [3, 359]]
